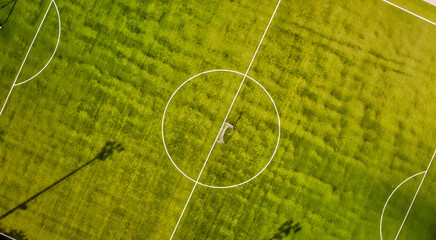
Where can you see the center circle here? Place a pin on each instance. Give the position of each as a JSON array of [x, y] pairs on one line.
[[163, 126]]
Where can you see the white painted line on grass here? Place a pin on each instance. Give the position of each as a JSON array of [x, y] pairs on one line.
[[225, 119], [28, 51], [4, 235], [416, 15], [416, 194]]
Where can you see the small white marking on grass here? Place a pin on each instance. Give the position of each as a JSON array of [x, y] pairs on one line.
[[416, 15], [28, 51], [4, 235], [410, 207], [225, 119]]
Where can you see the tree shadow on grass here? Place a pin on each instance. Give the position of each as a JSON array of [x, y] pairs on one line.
[[286, 229], [12, 233]]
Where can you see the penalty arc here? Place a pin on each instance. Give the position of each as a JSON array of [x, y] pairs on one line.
[[424, 173], [14, 84]]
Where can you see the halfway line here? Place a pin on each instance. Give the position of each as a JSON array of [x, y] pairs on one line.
[[225, 119]]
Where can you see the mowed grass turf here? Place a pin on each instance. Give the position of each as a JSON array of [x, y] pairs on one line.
[[353, 82]]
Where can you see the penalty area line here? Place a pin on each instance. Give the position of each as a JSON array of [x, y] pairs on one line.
[[225, 119], [416, 194], [416, 15]]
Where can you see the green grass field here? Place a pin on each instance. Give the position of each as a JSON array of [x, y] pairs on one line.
[[353, 82]]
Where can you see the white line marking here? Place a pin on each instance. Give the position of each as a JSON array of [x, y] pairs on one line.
[[414, 198], [225, 119], [7, 236], [28, 51], [416, 15]]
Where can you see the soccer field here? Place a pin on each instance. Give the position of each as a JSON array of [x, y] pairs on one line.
[[331, 105]]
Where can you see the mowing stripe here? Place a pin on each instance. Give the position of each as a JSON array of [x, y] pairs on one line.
[[225, 119], [416, 194], [416, 15]]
